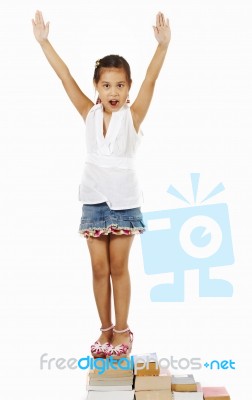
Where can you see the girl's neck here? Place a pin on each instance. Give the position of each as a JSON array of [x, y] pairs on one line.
[[106, 112]]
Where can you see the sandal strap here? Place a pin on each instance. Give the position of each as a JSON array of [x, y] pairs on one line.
[[123, 331], [107, 329]]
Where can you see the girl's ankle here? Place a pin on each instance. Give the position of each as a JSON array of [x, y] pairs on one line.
[[121, 329]]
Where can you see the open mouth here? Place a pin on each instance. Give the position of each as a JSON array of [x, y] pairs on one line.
[[113, 102]]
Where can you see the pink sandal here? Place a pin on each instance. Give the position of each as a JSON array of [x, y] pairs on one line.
[[121, 350], [98, 350]]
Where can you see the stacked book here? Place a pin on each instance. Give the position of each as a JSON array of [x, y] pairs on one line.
[[184, 387], [151, 382], [111, 381], [141, 378], [215, 393]]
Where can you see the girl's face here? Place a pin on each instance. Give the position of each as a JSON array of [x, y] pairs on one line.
[[113, 88]]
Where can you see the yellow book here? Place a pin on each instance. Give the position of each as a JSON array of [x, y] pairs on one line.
[[183, 383], [146, 365]]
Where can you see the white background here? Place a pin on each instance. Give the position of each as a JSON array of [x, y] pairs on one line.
[[200, 120]]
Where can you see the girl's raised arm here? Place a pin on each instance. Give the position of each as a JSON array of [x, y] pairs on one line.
[[78, 98], [163, 35]]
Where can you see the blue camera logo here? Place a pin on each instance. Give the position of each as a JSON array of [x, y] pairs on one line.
[[197, 237]]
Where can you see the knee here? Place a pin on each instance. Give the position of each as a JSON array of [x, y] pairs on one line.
[[100, 270], [118, 268]]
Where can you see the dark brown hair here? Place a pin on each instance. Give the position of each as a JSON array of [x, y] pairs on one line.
[[111, 61]]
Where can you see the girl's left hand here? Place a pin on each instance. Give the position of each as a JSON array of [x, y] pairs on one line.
[[162, 30], [40, 29]]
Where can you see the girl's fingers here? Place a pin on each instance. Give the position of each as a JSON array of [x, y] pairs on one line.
[[40, 17], [36, 17], [39, 20], [161, 21], [164, 20]]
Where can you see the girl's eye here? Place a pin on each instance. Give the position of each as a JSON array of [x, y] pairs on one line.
[[120, 85], [106, 85]]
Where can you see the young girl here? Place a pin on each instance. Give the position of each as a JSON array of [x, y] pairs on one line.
[[109, 188]]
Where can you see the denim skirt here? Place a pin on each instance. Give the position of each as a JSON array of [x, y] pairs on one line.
[[99, 219]]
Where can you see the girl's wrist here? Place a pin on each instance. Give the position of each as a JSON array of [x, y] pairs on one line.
[[43, 42], [163, 45]]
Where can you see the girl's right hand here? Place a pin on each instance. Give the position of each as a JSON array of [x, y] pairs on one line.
[[40, 29]]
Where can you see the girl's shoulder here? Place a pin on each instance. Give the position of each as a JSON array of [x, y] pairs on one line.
[[93, 111], [95, 108]]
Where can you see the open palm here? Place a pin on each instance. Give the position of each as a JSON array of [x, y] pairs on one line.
[[162, 29], [40, 29]]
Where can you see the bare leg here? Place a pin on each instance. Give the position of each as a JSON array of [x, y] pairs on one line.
[[99, 253], [119, 248]]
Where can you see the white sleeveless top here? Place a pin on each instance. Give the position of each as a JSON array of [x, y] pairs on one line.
[[109, 172]]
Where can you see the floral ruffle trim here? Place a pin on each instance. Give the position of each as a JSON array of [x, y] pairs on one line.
[[97, 232]]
